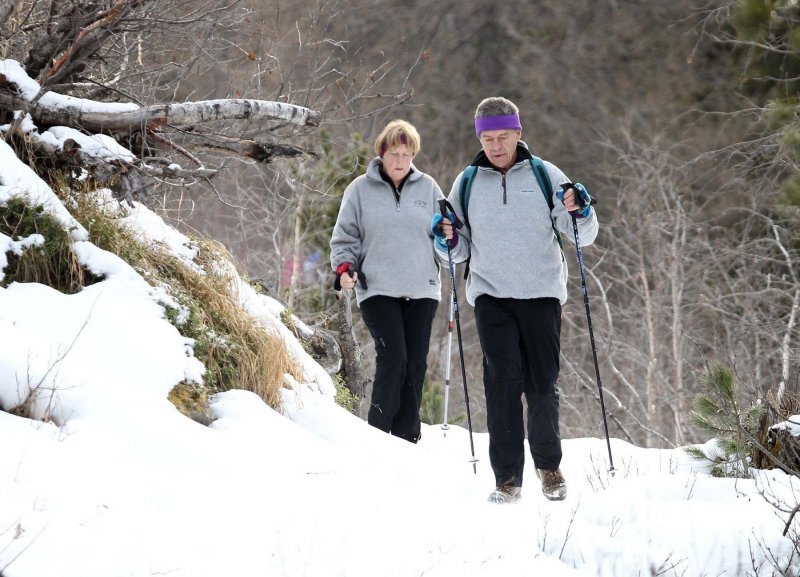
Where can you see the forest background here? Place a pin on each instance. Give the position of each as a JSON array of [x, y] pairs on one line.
[[679, 117]]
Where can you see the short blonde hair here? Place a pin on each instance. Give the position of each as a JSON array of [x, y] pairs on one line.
[[395, 133]]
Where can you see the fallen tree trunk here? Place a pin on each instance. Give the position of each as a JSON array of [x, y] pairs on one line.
[[152, 117]]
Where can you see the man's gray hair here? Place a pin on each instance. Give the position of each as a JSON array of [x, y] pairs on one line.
[[495, 106]]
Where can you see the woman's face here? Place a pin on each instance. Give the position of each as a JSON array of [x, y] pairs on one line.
[[397, 162]]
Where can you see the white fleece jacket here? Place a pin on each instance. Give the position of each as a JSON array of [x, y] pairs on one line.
[[389, 240], [510, 242]]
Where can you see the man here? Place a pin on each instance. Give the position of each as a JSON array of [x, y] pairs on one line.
[[517, 282]]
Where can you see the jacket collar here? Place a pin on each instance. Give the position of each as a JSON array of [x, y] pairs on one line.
[[523, 154], [374, 171]]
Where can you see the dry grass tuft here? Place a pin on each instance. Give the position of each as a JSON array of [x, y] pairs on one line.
[[259, 357], [237, 351]]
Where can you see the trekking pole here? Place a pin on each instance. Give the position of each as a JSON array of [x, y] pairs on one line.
[[445, 426], [591, 337], [443, 206]]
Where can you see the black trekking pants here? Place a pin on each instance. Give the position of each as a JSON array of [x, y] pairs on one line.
[[401, 329], [520, 340]]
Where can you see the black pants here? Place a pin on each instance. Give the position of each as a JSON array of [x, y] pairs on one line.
[[520, 340], [401, 329]]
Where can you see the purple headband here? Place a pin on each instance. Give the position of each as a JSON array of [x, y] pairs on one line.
[[504, 122]]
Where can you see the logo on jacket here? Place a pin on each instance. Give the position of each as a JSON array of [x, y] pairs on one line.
[[421, 203]]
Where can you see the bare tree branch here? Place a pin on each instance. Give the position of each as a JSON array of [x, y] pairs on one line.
[[257, 150], [6, 8], [91, 36]]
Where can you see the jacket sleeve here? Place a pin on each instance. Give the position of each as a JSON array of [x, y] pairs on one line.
[[346, 239], [462, 249], [587, 227]]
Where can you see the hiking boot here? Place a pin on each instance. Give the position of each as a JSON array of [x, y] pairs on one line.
[[554, 486], [505, 493]]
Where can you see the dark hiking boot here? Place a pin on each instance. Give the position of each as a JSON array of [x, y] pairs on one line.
[[506, 493], [554, 486]]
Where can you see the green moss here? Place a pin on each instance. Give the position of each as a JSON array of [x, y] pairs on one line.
[[217, 352], [287, 318], [779, 114], [791, 188], [51, 263], [191, 400], [790, 143], [793, 40], [751, 18], [344, 398]]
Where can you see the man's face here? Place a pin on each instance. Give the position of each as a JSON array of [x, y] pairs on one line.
[[500, 146]]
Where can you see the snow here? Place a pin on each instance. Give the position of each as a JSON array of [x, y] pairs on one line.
[[792, 425], [117, 482], [18, 180], [97, 145], [29, 88]]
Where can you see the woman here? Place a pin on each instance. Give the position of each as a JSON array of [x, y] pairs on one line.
[[382, 246]]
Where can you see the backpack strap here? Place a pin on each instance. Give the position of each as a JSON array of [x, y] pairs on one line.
[[466, 185], [467, 176], [547, 190]]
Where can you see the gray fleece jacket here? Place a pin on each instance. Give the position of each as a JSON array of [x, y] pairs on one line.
[[510, 242], [388, 236]]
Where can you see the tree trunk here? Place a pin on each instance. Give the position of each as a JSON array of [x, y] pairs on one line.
[[353, 370], [104, 117], [297, 253], [652, 355]]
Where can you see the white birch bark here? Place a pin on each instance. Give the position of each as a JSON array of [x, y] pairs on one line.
[[151, 117]]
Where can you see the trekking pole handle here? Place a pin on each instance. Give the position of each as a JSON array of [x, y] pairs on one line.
[[362, 279], [446, 209]]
